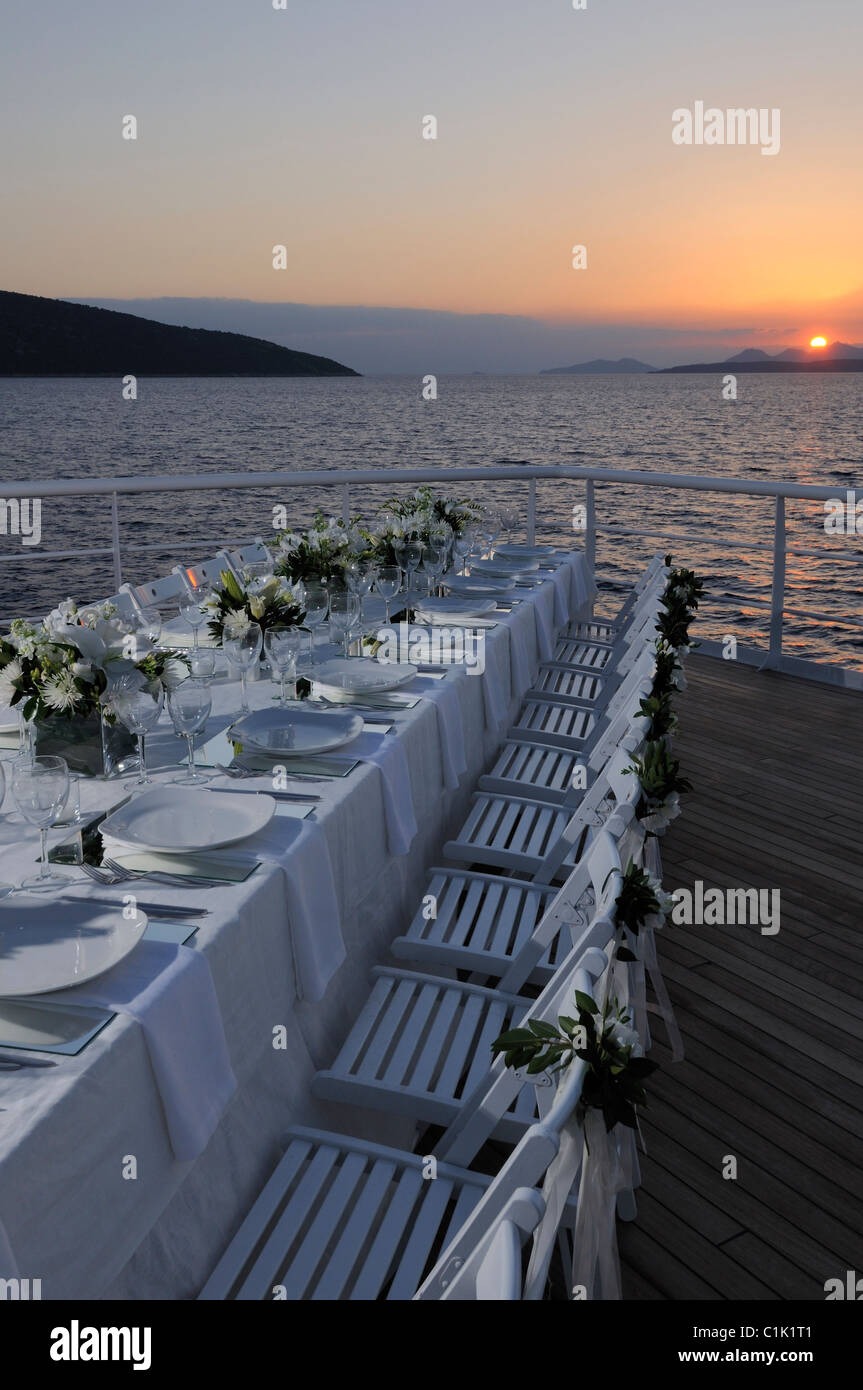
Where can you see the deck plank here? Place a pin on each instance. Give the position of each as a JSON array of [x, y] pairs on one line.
[[774, 1070]]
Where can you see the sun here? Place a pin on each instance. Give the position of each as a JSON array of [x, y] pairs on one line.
[[818, 342]]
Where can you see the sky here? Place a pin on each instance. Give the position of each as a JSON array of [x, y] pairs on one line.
[[303, 127]]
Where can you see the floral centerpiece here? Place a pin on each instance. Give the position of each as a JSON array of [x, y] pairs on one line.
[[322, 552], [63, 672], [272, 605], [421, 514]]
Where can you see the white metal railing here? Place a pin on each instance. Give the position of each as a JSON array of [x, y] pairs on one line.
[[524, 473]]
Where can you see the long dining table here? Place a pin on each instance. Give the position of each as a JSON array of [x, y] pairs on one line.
[[126, 1169]]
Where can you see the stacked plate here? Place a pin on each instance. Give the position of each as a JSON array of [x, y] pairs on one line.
[[479, 586], [49, 944], [284, 733], [455, 610], [505, 565], [528, 552]]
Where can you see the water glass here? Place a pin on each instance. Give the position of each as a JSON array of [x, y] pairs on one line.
[[282, 647], [202, 663], [189, 706], [243, 651], [413, 557], [316, 603], [387, 583], [344, 615], [190, 608], [40, 788], [139, 710]]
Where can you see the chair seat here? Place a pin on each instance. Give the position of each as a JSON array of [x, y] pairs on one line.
[[529, 769], [421, 1045], [557, 681], [509, 833], [578, 653], [344, 1219], [556, 725], [481, 922]]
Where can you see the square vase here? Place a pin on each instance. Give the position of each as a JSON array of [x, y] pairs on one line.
[[92, 747]]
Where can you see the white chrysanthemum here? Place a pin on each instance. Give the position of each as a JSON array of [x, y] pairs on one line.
[[624, 1036], [11, 673], [174, 673], [235, 623], [60, 692]]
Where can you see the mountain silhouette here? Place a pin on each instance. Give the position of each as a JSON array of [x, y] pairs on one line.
[[600, 366], [49, 337]]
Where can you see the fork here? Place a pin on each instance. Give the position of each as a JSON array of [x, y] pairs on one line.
[[159, 875], [241, 773], [111, 874]]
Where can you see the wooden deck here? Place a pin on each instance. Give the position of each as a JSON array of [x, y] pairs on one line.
[[772, 1025]]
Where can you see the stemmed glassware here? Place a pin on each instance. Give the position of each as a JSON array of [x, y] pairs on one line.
[[243, 650], [359, 577], [40, 787], [434, 559], [463, 545], [192, 611], [387, 584], [344, 614], [316, 604], [413, 557], [281, 647], [189, 706], [140, 710]]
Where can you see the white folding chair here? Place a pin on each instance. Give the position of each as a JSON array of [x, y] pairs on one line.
[[521, 835], [341, 1218], [605, 630]]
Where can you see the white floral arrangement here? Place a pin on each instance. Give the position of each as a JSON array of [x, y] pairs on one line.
[[71, 662]]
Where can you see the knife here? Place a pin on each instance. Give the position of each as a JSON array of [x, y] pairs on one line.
[[150, 909], [10, 1058], [277, 796]]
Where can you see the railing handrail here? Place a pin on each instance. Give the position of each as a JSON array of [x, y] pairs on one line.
[[520, 472]]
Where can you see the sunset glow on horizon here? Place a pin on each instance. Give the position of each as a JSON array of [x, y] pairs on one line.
[[306, 130]]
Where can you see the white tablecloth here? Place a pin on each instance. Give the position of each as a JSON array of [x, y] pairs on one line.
[[288, 953]]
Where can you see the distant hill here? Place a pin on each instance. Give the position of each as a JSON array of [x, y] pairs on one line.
[[48, 337], [836, 357], [600, 367]]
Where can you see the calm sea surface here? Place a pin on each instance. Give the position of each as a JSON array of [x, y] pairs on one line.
[[805, 429]]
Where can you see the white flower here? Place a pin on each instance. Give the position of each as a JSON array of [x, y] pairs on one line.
[[84, 671], [174, 673], [10, 673], [235, 623], [257, 606], [60, 692], [623, 1035]]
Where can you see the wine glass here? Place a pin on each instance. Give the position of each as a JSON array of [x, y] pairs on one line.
[[140, 710], [189, 706], [360, 576], [388, 581], [413, 556], [316, 603], [40, 787], [462, 545], [282, 646], [344, 615], [434, 559], [243, 650], [192, 611]]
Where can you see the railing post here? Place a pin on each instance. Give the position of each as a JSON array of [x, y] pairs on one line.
[[530, 528], [115, 543], [777, 598], [346, 503], [590, 535]]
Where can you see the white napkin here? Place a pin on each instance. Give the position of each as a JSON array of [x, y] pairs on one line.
[[450, 728], [521, 674], [582, 587], [562, 592], [544, 635], [169, 990], [494, 699], [389, 756]]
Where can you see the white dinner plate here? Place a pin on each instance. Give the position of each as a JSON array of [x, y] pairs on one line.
[[439, 609], [9, 724], [528, 552], [47, 945], [184, 820], [505, 565], [483, 586], [284, 733], [364, 675]]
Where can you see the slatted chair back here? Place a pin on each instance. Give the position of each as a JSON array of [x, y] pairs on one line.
[[489, 1267], [612, 782], [598, 873], [529, 1160]]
